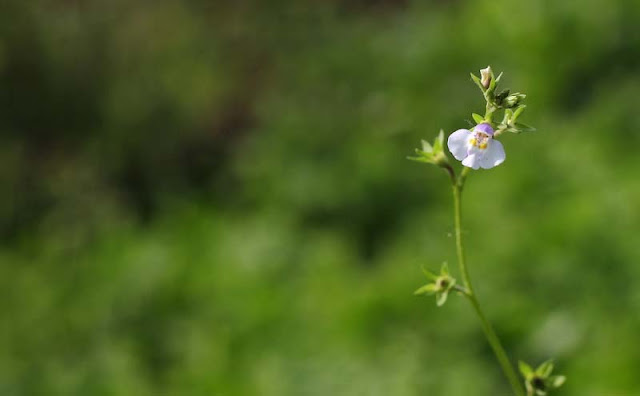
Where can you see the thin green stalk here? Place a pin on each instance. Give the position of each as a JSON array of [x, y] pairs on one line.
[[489, 110], [457, 192], [490, 334]]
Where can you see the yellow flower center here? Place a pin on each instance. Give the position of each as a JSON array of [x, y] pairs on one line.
[[480, 140]]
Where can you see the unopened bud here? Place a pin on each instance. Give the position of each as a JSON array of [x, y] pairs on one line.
[[513, 100], [485, 77]]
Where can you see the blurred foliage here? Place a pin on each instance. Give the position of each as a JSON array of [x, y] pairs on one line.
[[213, 197]]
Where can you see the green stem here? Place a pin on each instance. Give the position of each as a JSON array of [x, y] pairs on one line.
[[457, 192], [489, 110], [490, 334]]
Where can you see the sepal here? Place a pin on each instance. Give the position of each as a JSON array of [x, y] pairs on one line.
[[440, 285], [478, 118], [540, 381], [432, 154]]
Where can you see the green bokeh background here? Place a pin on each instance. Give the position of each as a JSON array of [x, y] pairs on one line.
[[212, 198]]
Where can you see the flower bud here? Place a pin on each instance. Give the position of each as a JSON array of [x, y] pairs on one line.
[[513, 100], [433, 154], [540, 381], [441, 285], [486, 75]]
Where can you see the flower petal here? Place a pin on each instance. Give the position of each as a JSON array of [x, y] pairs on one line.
[[493, 155], [484, 128], [472, 161], [458, 143]]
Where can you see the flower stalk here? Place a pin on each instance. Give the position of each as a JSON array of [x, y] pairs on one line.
[[488, 330]]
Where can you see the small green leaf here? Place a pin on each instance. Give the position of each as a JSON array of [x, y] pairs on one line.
[[441, 298], [477, 118], [430, 275], [506, 120], [420, 159], [493, 83], [438, 143], [477, 81], [525, 369], [556, 381], [426, 147], [517, 113], [426, 289], [522, 127], [545, 369], [444, 270]]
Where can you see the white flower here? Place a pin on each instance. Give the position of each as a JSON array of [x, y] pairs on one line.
[[477, 148]]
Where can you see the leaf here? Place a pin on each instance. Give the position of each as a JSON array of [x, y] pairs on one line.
[[429, 288], [430, 275], [420, 159], [438, 143], [444, 270], [426, 147], [441, 298], [525, 369], [494, 82], [545, 369], [556, 381], [518, 111], [477, 81], [477, 118], [522, 127]]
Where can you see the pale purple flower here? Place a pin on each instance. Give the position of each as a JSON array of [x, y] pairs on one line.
[[476, 148]]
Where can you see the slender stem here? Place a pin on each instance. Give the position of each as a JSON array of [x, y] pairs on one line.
[[457, 192], [489, 110], [490, 334]]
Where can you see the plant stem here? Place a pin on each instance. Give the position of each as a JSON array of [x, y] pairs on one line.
[[489, 110], [490, 334]]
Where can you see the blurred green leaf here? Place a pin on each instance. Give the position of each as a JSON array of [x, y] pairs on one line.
[[476, 80], [557, 381], [525, 369], [441, 298], [477, 118], [522, 127], [426, 289], [545, 369]]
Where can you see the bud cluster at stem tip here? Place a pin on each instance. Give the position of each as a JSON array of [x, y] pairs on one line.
[[510, 102], [478, 147]]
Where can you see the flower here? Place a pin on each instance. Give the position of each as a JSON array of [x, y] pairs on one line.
[[477, 148]]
